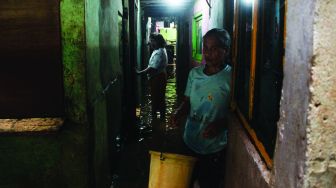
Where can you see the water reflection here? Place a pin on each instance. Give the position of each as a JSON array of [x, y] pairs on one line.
[[143, 112]]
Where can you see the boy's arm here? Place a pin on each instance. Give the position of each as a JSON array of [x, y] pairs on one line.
[[181, 111], [148, 70]]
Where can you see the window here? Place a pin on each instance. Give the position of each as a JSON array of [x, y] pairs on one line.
[[258, 51], [197, 37], [244, 57]]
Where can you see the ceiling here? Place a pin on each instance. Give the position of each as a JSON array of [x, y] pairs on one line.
[[156, 8]]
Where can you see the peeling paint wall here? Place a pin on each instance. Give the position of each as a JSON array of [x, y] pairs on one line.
[[73, 56], [321, 127]]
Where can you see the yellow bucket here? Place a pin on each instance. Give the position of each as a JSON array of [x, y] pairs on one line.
[[170, 170]]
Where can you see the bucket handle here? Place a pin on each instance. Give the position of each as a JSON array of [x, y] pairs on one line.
[[162, 158]]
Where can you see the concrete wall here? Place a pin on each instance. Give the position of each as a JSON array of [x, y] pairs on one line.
[[321, 129], [244, 166], [289, 157], [104, 71]]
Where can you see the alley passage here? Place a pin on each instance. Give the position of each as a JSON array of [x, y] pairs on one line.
[[145, 120], [154, 134]]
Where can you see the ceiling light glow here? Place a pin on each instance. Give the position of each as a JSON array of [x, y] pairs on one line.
[[174, 3], [249, 2]]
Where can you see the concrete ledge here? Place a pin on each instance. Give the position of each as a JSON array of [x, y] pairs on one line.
[[30, 125], [255, 157], [244, 166]]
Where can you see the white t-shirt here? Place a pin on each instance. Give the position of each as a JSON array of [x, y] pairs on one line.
[[209, 101], [158, 61]]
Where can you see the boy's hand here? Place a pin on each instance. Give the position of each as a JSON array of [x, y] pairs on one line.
[[180, 112], [175, 119]]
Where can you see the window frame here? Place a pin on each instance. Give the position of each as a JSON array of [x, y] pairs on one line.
[[198, 17], [253, 65]]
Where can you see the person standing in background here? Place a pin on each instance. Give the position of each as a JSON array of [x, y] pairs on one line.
[[156, 73]]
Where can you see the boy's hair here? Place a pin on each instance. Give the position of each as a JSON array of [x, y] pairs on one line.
[[222, 37], [159, 39]]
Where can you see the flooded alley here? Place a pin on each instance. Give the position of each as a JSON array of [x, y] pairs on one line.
[[154, 135], [250, 83]]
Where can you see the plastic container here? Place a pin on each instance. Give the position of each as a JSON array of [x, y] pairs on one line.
[[168, 170]]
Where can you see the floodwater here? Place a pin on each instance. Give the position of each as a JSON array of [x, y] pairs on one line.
[[146, 122], [154, 134]]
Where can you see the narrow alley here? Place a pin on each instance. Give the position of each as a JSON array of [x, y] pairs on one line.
[[154, 134], [104, 93]]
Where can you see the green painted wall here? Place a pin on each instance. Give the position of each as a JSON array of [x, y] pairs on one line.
[[169, 34], [58, 159], [73, 49]]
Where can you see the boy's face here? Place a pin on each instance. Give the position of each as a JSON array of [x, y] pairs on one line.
[[212, 53]]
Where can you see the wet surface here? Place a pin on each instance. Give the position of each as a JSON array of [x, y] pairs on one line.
[[154, 134], [146, 122]]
